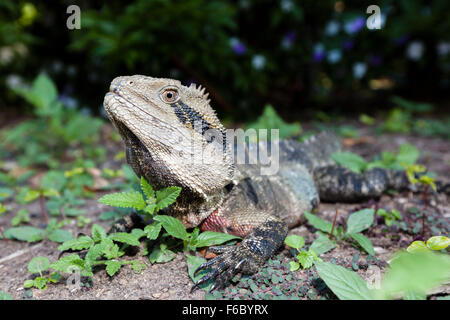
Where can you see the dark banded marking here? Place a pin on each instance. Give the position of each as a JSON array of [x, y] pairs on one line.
[[179, 113]]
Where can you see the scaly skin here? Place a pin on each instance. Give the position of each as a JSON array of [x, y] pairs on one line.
[[156, 119]]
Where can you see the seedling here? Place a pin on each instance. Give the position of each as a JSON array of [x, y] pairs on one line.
[[53, 232], [305, 258], [38, 265], [356, 223], [434, 243], [389, 216]]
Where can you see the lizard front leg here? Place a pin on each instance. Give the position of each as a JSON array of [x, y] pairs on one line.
[[249, 256]]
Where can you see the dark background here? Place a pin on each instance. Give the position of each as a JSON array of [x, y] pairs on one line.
[[299, 56]]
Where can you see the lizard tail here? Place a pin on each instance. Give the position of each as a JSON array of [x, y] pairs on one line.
[[320, 147]]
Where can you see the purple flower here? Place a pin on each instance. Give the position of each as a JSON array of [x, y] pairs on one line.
[[375, 60], [237, 46], [318, 56], [354, 26], [348, 45]]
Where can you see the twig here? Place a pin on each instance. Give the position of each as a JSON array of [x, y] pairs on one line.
[[43, 209], [3, 235], [424, 209], [334, 222]]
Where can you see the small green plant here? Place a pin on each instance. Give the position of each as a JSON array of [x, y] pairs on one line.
[[102, 248], [305, 258], [22, 216], [389, 216], [433, 243], [45, 138], [428, 269], [53, 232], [38, 265], [407, 154], [271, 120], [357, 222]]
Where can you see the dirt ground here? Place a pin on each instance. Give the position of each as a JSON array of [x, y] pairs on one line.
[[171, 280]]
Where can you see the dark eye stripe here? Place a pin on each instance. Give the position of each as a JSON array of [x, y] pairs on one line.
[[180, 114]]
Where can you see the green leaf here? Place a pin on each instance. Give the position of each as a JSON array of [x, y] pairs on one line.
[[294, 266], [167, 196], [319, 223], [438, 242], [350, 160], [152, 230], [40, 282], [414, 296], [417, 246], [81, 243], [31, 195], [112, 267], [407, 153], [94, 253], [322, 244], [71, 263], [45, 91], [53, 179], [307, 258], [28, 283], [125, 238], [110, 249], [417, 272], [147, 189], [6, 296], [345, 284], [60, 235], [98, 233], [38, 264], [54, 277], [271, 120], [138, 266], [173, 226], [211, 238], [360, 220], [161, 254], [364, 242], [294, 241], [193, 262], [131, 199], [25, 233]]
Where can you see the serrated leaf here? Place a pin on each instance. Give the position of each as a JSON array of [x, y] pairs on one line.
[[124, 237], [110, 249], [167, 196], [137, 233], [350, 160], [38, 264], [322, 244], [364, 242], [438, 242], [306, 258], [60, 235], [211, 238], [25, 233], [71, 263], [112, 267], [345, 284], [98, 233], [294, 241], [138, 266], [94, 253], [152, 230], [131, 199], [81, 243], [319, 223], [40, 282], [360, 220], [161, 255], [147, 189], [173, 226]]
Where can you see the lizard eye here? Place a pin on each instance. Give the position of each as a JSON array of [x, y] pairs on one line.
[[169, 95]]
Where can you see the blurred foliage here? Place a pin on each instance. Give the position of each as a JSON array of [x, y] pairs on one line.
[[247, 53], [56, 132]]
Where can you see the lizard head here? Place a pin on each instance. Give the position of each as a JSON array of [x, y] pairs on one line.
[[171, 133]]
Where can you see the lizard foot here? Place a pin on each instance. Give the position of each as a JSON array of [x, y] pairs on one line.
[[232, 260]]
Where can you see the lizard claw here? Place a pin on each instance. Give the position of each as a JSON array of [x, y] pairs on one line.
[[224, 267]]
